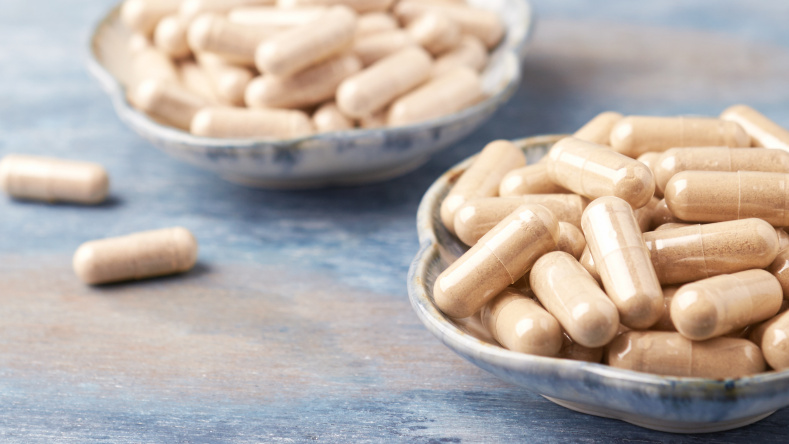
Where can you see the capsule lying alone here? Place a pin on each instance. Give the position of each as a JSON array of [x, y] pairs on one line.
[[763, 131], [520, 324], [594, 171], [773, 338], [718, 305], [671, 354], [136, 256], [598, 130], [441, 96], [531, 179], [707, 196], [53, 180], [501, 257]]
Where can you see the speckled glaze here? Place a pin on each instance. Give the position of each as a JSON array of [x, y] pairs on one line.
[[681, 405], [338, 158]]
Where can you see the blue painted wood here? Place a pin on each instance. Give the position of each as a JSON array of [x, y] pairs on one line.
[[295, 325]]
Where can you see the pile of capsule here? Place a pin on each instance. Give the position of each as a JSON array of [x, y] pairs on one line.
[[563, 263], [282, 69]]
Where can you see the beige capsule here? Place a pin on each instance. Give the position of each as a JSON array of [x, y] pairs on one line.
[[328, 118], [773, 338], [53, 180], [623, 262], [763, 131], [598, 130], [671, 226], [636, 135], [469, 52], [577, 352], [701, 251], [662, 215], [594, 171], [531, 179], [170, 37], [143, 15], [726, 159], [644, 214], [190, 9], [149, 63], [483, 24], [520, 324], [567, 291], [360, 6], [780, 269], [650, 159], [297, 48], [665, 323], [712, 196], [194, 79], [587, 261], [721, 304], [234, 42], [477, 216], [502, 256], [242, 123], [436, 32], [312, 86], [671, 354], [482, 178], [374, 88], [228, 81], [372, 48], [375, 22], [273, 17], [441, 96], [167, 102], [136, 256]]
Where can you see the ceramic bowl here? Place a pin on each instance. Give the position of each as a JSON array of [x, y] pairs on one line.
[[338, 158], [682, 405]]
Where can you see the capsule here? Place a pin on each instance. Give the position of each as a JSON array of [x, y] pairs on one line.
[[148, 63], [587, 261], [170, 103], [436, 32], [594, 171], [598, 130], [273, 17], [312, 86], [375, 22], [357, 5], [650, 160], [577, 352], [662, 215], [502, 256], [531, 179], [234, 42], [228, 81], [190, 9], [485, 25], [170, 37], [763, 131], [521, 325], [567, 291], [194, 79], [671, 226], [377, 86], [374, 47], [329, 118], [677, 160], [622, 260], [636, 135], [718, 305], [53, 180], [469, 52], [441, 96], [136, 256], [706, 196], [780, 269], [671, 354], [242, 123], [773, 338], [701, 251], [143, 15], [644, 214]]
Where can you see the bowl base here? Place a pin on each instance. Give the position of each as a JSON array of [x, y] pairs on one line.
[[658, 424]]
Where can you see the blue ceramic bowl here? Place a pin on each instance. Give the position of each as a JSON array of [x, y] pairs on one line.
[[338, 158], [682, 405]]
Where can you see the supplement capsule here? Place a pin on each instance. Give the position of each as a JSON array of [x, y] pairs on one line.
[[436, 32], [441, 96], [242, 123], [773, 338], [329, 118], [587, 261], [374, 47], [671, 226], [671, 354], [190, 9], [661, 215], [520, 324], [273, 17], [136, 256], [143, 15], [594, 171], [780, 269], [706, 196], [167, 102], [577, 352], [701, 251], [170, 37], [234, 42], [293, 50], [312, 86], [598, 130], [375, 22], [567, 291], [53, 180], [635, 135], [531, 179], [484, 24], [194, 79], [718, 305], [665, 323], [622, 260], [763, 131], [470, 52], [357, 5], [502, 256], [644, 214], [677, 160], [377, 86], [228, 81]]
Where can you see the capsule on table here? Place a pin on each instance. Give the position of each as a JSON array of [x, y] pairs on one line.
[[167, 102], [636, 135], [357, 5], [143, 15], [773, 338], [567, 291], [502, 256], [661, 215], [436, 32], [441, 96], [623, 262], [577, 352], [479, 215], [520, 324], [378, 85], [531, 179], [470, 52], [170, 37], [228, 81], [240, 123], [482, 178], [594, 171], [485, 25], [273, 17], [598, 130], [375, 22], [701, 251], [53, 180], [587, 261], [707, 196], [328, 118], [763, 131], [189, 9], [312, 86], [234, 42], [780, 269], [374, 47], [136, 256], [671, 354]]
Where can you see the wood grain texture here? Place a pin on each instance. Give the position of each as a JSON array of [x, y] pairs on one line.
[[295, 325]]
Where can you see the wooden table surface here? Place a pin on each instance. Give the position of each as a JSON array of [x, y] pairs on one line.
[[295, 325]]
